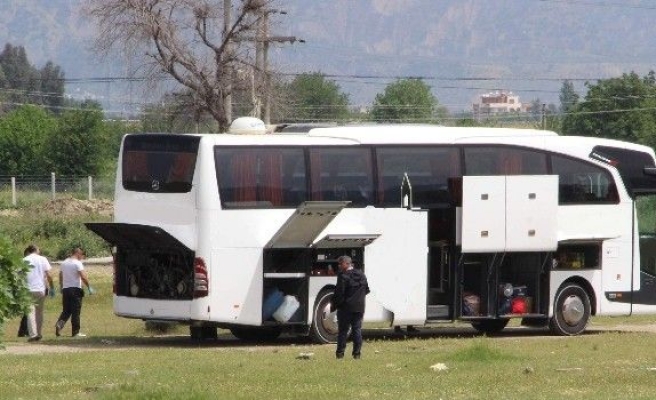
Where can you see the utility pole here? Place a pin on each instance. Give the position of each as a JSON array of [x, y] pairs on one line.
[[262, 59], [227, 21]]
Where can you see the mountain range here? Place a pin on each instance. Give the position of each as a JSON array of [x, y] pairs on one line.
[[461, 48]]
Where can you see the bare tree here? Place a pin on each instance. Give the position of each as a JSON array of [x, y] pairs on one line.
[[198, 43]]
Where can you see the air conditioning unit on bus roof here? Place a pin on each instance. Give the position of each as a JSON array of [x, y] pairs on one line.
[[247, 126]]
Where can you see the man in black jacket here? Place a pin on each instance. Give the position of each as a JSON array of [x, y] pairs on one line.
[[349, 298]]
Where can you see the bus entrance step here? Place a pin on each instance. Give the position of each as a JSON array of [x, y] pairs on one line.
[[436, 312]]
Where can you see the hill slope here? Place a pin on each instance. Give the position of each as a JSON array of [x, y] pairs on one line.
[[527, 46]]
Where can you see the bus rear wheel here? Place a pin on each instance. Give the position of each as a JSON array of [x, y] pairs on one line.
[[571, 310], [324, 323], [490, 326]]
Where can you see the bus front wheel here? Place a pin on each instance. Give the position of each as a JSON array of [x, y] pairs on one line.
[[571, 310], [324, 323]]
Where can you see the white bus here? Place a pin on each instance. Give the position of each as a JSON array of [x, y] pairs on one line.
[[472, 224]]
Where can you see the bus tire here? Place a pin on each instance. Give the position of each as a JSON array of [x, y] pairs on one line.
[[256, 333], [490, 326], [571, 310], [324, 323]]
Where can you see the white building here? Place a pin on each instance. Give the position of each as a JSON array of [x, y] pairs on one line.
[[495, 103]]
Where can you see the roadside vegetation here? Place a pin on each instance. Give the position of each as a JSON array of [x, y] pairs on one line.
[[56, 226]]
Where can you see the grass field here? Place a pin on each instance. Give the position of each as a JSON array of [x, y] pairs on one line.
[[121, 360]]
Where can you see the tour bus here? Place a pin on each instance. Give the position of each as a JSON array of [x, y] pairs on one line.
[[241, 231]]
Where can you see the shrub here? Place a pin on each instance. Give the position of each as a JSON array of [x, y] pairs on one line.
[[14, 296]]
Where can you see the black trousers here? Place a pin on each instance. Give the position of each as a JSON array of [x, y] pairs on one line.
[[72, 307], [22, 329], [345, 320]]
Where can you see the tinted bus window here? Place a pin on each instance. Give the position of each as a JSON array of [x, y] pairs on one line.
[[430, 170], [630, 164], [582, 183], [159, 163], [499, 160], [260, 177], [341, 173]]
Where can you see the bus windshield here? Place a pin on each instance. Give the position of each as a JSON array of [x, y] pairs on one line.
[[159, 163]]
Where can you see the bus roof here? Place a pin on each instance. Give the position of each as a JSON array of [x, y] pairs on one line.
[[380, 134], [425, 134]]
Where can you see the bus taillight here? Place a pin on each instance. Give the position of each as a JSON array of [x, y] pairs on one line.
[[201, 282]]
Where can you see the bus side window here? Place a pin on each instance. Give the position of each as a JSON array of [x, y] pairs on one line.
[[582, 182]]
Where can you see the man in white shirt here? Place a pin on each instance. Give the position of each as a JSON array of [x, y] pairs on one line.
[[37, 276], [71, 277]]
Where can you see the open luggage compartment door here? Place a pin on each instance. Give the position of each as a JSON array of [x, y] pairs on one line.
[[302, 227]]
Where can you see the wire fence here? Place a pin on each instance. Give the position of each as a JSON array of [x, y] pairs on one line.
[[18, 191]]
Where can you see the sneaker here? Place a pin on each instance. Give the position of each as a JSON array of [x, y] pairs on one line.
[[58, 327], [339, 355], [79, 335], [35, 338], [356, 356]]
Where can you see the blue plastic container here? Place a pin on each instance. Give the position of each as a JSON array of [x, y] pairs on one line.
[[273, 298]]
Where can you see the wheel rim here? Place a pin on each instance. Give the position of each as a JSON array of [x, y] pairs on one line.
[[573, 310], [328, 320]]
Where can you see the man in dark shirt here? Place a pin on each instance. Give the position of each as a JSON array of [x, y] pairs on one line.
[[349, 302]]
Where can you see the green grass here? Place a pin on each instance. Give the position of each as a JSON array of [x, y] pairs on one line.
[[120, 360]]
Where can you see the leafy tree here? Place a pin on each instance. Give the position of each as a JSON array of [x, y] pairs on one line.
[[75, 146], [177, 112], [112, 133], [14, 296], [536, 109], [568, 97], [52, 86], [312, 97], [23, 133], [466, 122], [406, 100], [621, 108], [25, 84], [20, 77]]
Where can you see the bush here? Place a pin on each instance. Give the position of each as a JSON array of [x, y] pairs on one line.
[[14, 296], [56, 235]]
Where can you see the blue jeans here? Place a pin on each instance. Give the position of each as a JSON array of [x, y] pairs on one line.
[[345, 320]]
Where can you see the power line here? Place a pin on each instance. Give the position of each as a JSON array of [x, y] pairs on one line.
[[600, 4]]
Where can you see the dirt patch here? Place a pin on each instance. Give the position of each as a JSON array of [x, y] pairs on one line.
[[65, 207], [29, 348], [71, 206], [9, 213]]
